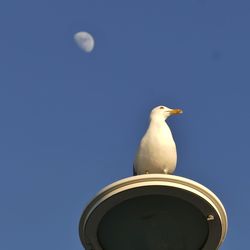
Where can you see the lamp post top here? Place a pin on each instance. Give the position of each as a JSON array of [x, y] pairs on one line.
[[154, 211]]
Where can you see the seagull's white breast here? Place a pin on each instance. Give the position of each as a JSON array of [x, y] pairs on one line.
[[157, 151]]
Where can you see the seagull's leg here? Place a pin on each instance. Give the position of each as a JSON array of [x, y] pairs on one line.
[[146, 172], [165, 171]]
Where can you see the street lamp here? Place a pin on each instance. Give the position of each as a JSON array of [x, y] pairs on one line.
[[154, 212]]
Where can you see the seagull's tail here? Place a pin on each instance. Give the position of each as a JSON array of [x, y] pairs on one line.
[[134, 172]]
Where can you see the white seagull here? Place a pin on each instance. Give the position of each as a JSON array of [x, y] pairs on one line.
[[157, 150]]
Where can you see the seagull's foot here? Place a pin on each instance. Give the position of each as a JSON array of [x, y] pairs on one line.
[[165, 171]]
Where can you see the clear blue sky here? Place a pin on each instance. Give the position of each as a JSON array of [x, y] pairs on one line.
[[71, 122]]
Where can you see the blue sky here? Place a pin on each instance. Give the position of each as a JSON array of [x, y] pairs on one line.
[[71, 121]]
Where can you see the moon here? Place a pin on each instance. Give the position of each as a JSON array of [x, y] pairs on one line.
[[85, 41]]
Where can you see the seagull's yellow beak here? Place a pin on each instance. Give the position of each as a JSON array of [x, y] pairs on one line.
[[175, 111]]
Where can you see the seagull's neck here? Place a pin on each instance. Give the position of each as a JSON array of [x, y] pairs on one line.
[[159, 128], [157, 122]]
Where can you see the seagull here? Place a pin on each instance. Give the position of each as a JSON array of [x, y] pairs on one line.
[[157, 150]]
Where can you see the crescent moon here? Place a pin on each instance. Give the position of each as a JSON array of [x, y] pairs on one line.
[[85, 41]]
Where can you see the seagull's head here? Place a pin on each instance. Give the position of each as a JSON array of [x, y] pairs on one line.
[[163, 112]]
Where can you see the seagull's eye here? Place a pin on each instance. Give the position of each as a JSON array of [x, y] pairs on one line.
[[161, 107]]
